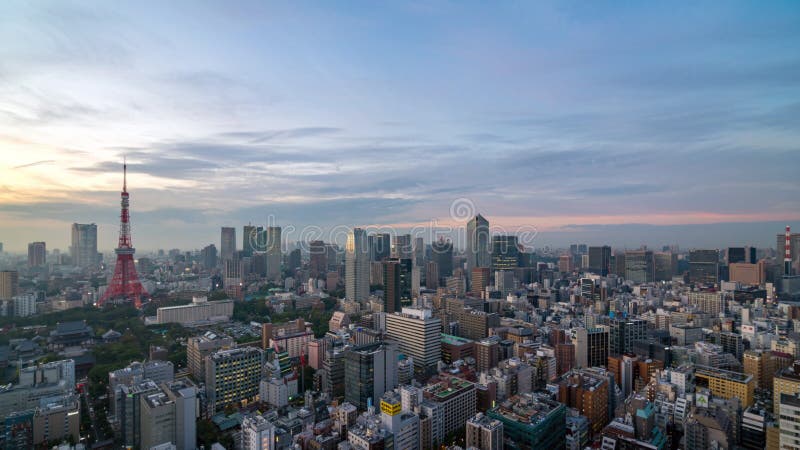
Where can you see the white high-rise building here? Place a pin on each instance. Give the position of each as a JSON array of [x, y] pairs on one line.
[[419, 335], [357, 266]]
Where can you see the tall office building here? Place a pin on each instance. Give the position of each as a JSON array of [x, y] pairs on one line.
[[199, 347], [357, 266], [477, 245], [9, 284], [370, 370], [480, 279], [83, 250], [168, 416], [419, 252], [640, 266], [600, 260], [666, 265], [736, 255], [442, 255], [419, 335], [704, 266], [402, 247], [227, 245], [432, 275], [318, 256], [37, 254], [274, 253], [624, 332], [208, 255], [381, 247], [591, 346], [391, 286], [233, 376], [505, 253], [249, 240]]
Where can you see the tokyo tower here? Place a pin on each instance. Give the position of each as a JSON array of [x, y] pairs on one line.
[[125, 285]]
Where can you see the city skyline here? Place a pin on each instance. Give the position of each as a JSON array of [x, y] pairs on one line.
[[601, 124]]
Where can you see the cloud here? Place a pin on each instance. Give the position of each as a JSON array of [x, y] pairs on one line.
[[34, 164]]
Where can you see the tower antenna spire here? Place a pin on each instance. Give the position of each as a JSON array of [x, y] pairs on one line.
[[124, 174]]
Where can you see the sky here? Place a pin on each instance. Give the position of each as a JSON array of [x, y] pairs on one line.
[[607, 122]]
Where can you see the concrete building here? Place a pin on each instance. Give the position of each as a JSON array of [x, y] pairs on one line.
[[370, 370], [227, 245], [704, 266], [274, 252], [258, 433], [532, 421], [640, 266], [199, 347], [168, 416], [404, 425], [477, 245], [726, 384], [419, 336], [457, 400], [59, 418], [752, 274], [37, 254], [484, 433], [200, 311], [24, 305], [233, 376]]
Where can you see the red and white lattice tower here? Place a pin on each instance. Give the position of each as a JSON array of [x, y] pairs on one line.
[[125, 285], [787, 257]]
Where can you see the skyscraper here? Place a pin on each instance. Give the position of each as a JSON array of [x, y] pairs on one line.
[[391, 286], [704, 266], [419, 335], [737, 255], [640, 266], [227, 246], [419, 252], [381, 247], [443, 256], [477, 245], [666, 264], [209, 256], [249, 240], [37, 254], [505, 253], [624, 332], [274, 255], [600, 260], [83, 250], [318, 264], [357, 266], [402, 248], [370, 370]]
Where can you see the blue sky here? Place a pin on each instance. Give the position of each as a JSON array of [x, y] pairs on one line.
[[600, 121]]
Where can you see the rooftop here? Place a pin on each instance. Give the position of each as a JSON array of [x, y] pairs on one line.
[[724, 374], [529, 408]]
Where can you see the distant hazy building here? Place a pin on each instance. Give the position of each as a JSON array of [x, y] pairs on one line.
[[208, 255], [402, 248], [666, 265], [639, 266], [274, 252], [381, 247], [600, 260], [227, 246], [505, 253], [442, 255], [477, 245], [37, 254], [704, 266], [83, 249], [24, 305], [752, 274], [9, 284], [357, 266]]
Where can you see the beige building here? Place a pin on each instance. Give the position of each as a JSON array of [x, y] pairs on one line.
[[199, 311], [9, 282], [57, 421], [786, 381], [754, 274], [198, 347]]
